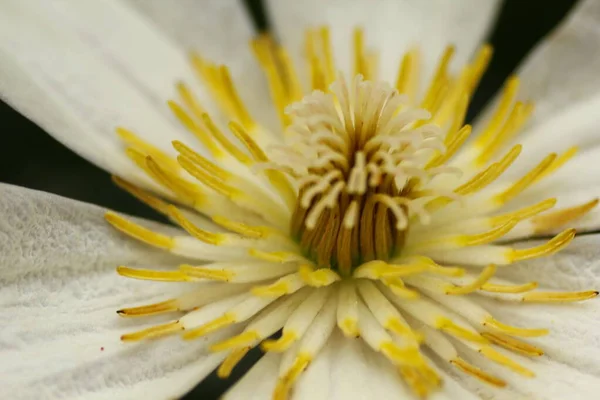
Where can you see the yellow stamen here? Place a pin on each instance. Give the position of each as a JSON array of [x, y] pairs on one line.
[[486, 237], [510, 128], [154, 202], [223, 141], [205, 178], [415, 381], [360, 60], [513, 344], [397, 287], [141, 145], [501, 359], [524, 213], [275, 256], [153, 332], [479, 65], [477, 373], [207, 273], [139, 232], [550, 221], [255, 232], [553, 245], [401, 356], [318, 277], [525, 181], [452, 147], [285, 383], [509, 93], [184, 190], [559, 162], [242, 340], [559, 297], [495, 288], [200, 234], [453, 329], [239, 109], [439, 79], [150, 309], [485, 275], [513, 330], [201, 161], [281, 344], [189, 100], [216, 324], [152, 275], [407, 80], [187, 121], [231, 361]]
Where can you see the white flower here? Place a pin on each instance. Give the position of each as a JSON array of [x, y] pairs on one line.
[[368, 229]]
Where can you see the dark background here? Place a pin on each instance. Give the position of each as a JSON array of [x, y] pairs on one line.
[[51, 167]]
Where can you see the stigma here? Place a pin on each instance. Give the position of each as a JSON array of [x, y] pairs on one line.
[[370, 213]]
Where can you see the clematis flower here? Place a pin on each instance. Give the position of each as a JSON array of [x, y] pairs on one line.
[[328, 190]]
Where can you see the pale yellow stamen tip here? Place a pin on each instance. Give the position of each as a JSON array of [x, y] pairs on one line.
[[151, 309], [485, 275], [454, 329], [349, 327], [139, 232], [319, 277], [153, 332], [285, 383], [207, 273], [514, 331], [231, 361], [276, 289], [555, 244], [477, 373], [281, 344], [216, 324], [242, 340], [513, 344], [152, 275], [559, 297], [501, 359]]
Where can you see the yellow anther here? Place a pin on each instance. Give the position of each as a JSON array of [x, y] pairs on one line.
[[452, 147], [553, 245], [513, 344], [513, 330], [422, 380], [201, 161], [509, 129], [401, 329], [186, 191], [216, 324], [495, 288], [459, 114], [439, 79], [559, 162], [141, 145], [153, 201], [524, 213], [330, 71], [152, 275], [478, 181], [207, 179], [139, 232], [438, 269], [189, 100], [360, 60], [501, 359], [244, 339], [397, 287], [349, 327], [196, 129], [401, 356], [275, 256], [255, 232], [317, 75], [486, 237], [280, 345], [290, 79], [276, 178], [276, 289], [150, 309], [209, 73], [559, 297], [231, 361], [238, 108], [286, 382], [477, 373], [479, 66], [485, 275], [153, 332], [318, 277], [200, 234], [525, 181], [509, 93], [407, 80], [550, 221], [223, 141], [206, 273], [451, 328]]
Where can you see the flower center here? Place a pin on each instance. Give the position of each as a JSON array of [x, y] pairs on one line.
[[359, 156]]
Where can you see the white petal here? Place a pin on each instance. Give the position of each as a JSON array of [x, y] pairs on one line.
[[59, 292], [219, 30], [391, 27], [81, 69]]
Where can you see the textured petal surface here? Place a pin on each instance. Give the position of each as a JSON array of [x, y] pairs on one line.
[[391, 26], [79, 69], [59, 292]]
